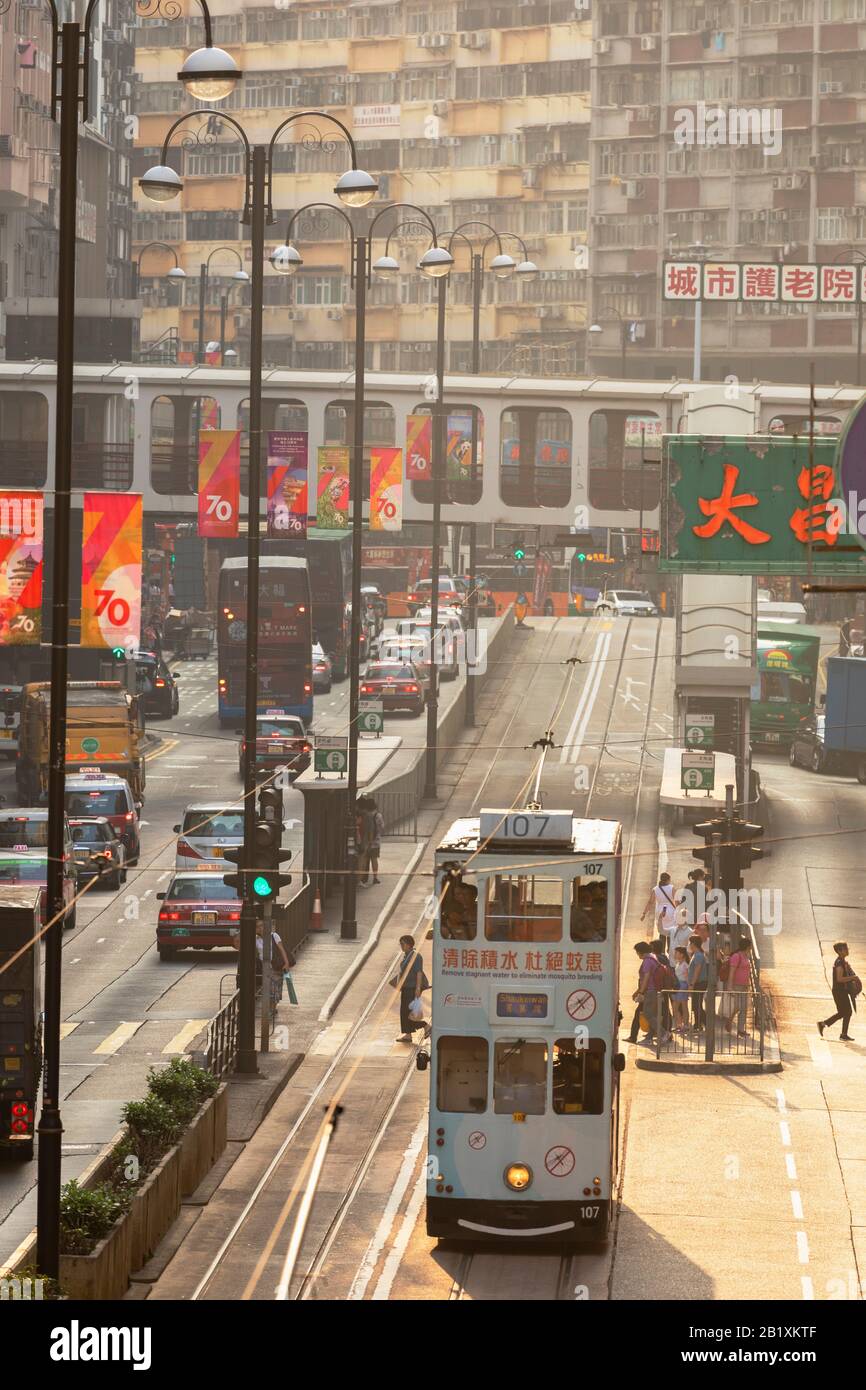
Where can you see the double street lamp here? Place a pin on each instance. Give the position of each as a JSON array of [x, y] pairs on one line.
[[239, 277], [355, 188], [436, 262], [71, 76]]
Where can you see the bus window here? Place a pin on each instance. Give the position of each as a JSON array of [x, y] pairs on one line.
[[589, 909], [519, 1077], [461, 1078], [578, 1077], [523, 907], [459, 911]]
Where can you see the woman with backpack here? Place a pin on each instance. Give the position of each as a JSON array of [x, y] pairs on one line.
[[846, 986], [662, 903]]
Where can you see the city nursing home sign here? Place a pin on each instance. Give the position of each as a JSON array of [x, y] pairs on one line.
[[755, 505]]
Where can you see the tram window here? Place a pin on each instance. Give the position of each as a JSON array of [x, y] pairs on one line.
[[461, 1075], [519, 1077], [459, 912], [578, 1077], [589, 909], [523, 907]]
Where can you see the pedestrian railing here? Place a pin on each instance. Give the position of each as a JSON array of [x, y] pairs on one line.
[[221, 1039], [730, 1024], [400, 813]]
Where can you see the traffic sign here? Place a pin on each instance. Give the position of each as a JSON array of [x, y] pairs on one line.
[[700, 730], [371, 719], [698, 772], [331, 753], [90, 745]]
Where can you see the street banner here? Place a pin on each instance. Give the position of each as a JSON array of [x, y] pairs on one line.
[[219, 482], [21, 539], [458, 449], [332, 494], [111, 570], [541, 585], [386, 489], [419, 445], [287, 484], [210, 413]]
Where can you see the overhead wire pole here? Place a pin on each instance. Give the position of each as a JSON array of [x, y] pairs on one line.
[[472, 628], [438, 461], [349, 923]]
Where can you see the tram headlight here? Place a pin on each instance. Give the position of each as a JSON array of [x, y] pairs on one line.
[[518, 1176]]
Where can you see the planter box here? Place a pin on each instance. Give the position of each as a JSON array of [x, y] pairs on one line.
[[104, 1273]]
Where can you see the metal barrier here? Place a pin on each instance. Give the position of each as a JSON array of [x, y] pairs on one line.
[[400, 813], [732, 1023], [221, 1039]]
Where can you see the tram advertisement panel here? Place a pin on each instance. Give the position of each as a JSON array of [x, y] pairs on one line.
[[21, 540], [219, 482], [287, 484], [111, 570]]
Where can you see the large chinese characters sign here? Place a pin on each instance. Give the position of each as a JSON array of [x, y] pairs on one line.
[[719, 281], [757, 505]]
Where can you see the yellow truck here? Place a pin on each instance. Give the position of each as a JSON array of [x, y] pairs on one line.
[[104, 730]]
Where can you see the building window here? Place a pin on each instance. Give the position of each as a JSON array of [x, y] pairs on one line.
[[318, 289], [212, 226]]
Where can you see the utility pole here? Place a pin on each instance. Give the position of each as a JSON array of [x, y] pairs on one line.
[[710, 996]]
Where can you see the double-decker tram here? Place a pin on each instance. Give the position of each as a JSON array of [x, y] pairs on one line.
[[524, 1061]]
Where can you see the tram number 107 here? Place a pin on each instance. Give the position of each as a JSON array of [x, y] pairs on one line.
[[525, 825]]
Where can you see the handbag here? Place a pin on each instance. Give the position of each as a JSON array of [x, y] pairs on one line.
[[855, 986], [416, 1010]]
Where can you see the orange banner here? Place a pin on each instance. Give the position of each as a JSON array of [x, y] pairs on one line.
[[20, 568], [219, 482], [386, 489], [111, 570], [418, 446]]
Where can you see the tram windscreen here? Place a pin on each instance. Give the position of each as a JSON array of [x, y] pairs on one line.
[[519, 1077], [589, 909], [461, 1075], [459, 911], [523, 907], [578, 1077]]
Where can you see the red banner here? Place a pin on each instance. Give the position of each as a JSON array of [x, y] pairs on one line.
[[219, 482], [111, 570], [419, 443], [20, 568], [386, 489], [287, 483]]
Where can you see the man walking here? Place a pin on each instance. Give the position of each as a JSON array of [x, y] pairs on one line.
[[646, 995], [843, 979]]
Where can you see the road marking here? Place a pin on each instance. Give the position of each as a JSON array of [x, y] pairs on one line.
[[330, 1040], [164, 876], [75, 960], [802, 1248], [785, 1132], [593, 668], [821, 1054], [114, 1042], [190, 1030], [807, 1287], [382, 1290], [66, 1029], [781, 1102], [797, 1204], [367, 1267], [100, 940], [791, 1167]]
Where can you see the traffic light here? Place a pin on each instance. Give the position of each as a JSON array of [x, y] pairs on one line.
[[706, 830], [518, 550], [741, 832], [267, 878], [236, 881]]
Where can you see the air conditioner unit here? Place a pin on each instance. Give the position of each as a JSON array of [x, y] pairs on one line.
[[335, 314], [823, 88], [788, 69], [433, 40], [644, 113], [530, 178], [475, 38], [836, 86], [297, 315], [778, 181], [440, 108], [648, 43], [490, 139], [633, 188], [602, 45]]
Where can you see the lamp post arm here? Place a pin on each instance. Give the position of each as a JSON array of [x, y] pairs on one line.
[[290, 120]]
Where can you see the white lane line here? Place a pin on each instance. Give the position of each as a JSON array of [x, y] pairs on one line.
[[189, 1030], [164, 876], [791, 1167], [383, 1230], [797, 1205], [100, 940], [785, 1131], [382, 1290], [802, 1248], [663, 851], [590, 705], [114, 1042], [75, 960], [590, 672], [781, 1102], [808, 1288], [147, 892]]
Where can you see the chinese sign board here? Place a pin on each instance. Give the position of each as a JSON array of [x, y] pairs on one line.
[[756, 505], [698, 772], [371, 719], [331, 753], [521, 960], [754, 281], [700, 729]]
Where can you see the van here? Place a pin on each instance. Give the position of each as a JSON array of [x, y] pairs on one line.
[[93, 793]]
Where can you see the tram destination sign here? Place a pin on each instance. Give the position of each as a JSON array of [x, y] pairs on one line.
[[522, 827]]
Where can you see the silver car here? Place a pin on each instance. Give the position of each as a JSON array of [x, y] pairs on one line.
[[207, 830], [632, 603]]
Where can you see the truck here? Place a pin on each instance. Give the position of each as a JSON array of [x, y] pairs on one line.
[[104, 732], [845, 712], [784, 694], [20, 1016]]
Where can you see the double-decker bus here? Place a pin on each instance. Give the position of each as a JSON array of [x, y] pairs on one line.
[[524, 1061], [329, 556], [21, 972], [784, 694], [285, 638]]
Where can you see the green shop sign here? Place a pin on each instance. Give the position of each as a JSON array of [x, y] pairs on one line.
[[756, 505]]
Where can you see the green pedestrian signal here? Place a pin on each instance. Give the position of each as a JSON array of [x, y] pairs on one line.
[[581, 559], [519, 552], [262, 886], [118, 653]]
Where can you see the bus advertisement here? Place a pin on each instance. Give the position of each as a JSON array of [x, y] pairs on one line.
[[787, 676], [285, 638]]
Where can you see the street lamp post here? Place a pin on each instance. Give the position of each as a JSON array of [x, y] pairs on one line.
[[239, 277], [286, 260], [70, 78], [503, 266], [354, 188]]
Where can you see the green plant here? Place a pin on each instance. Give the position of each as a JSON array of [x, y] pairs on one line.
[[50, 1290], [153, 1123], [182, 1085], [88, 1214]]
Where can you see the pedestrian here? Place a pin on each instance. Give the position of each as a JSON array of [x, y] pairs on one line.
[[698, 978], [662, 903], [691, 900], [411, 981], [736, 996], [280, 962], [846, 986], [646, 995], [681, 998], [665, 980], [370, 828]]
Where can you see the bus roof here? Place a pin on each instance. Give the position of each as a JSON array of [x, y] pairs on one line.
[[587, 837], [288, 562], [780, 631]]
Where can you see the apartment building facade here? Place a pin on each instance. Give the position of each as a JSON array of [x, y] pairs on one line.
[[797, 195], [470, 110]]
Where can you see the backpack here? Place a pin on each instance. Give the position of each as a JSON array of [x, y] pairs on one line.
[[664, 977]]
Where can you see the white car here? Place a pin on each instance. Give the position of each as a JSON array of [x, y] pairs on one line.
[[207, 830], [632, 603]]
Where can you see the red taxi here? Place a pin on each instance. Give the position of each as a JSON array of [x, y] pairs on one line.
[[281, 741], [398, 684], [452, 593], [198, 912]]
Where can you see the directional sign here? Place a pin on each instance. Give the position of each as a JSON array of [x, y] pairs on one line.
[[371, 719], [331, 753], [700, 729], [698, 772]]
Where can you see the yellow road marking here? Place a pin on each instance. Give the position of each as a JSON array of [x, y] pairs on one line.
[[66, 1029], [190, 1030], [162, 750], [114, 1042]]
